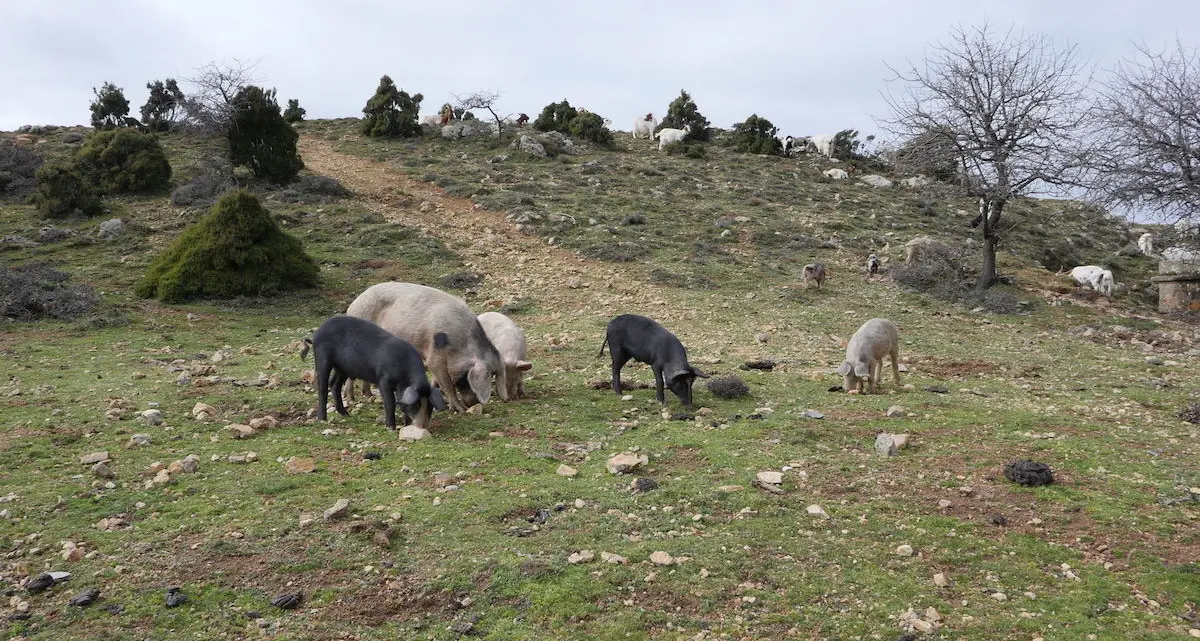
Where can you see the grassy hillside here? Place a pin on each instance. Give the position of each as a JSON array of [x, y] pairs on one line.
[[469, 532]]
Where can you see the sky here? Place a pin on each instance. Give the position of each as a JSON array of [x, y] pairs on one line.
[[809, 67]]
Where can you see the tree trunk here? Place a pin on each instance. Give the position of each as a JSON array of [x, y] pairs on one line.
[[991, 218]]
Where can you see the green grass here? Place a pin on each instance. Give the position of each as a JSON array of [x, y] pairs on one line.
[[413, 559]]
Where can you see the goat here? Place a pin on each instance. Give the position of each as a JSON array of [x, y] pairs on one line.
[[644, 125], [813, 273], [669, 136], [1095, 277]]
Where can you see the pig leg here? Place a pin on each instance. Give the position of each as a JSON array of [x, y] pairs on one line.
[[322, 372], [658, 385], [339, 382], [387, 391], [619, 358], [895, 364], [441, 374]]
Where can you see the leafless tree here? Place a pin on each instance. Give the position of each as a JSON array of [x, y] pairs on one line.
[[1146, 139], [209, 104], [1008, 107], [481, 100]]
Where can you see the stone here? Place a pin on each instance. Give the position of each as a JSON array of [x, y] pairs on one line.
[[643, 484], [289, 601], [1029, 473], [1194, 633], [110, 228], [175, 597], [894, 411], [875, 180], [203, 411], [139, 440], [816, 510], [813, 414], [999, 596], [85, 598], [103, 471], [885, 444], [93, 458], [762, 337], [296, 465], [162, 477], [530, 145], [307, 520], [582, 556], [944, 503], [566, 470], [609, 557], [626, 462], [413, 433], [191, 463], [940, 580], [442, 479], [773, 478], [1154, 360], [729, 489], [263, 422], [241, 431], [904, 550], [900, 440], [153, 417], [661, 558], [176, 467], [338, 510], [921, 626]]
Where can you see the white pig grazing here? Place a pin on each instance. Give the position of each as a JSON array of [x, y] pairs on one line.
[[876, 338], [510, 342], [417, 313]]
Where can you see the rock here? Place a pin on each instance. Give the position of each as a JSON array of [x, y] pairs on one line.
[[306, 520], [530, 145], [642, 484], [153, 417], [296, 465], [894, 411], [566, 470], [93, 458], [111, 523], [110, 228], [937, 389], [729, 489], [762, 337], [190, 463], [289, 601], [901, 440], [627, 397], [921, 626], [944, 503], [241, 431], [203, 411], [773, 478], [816, 510], [1029, 473], [85, 598], [175, 597], [904, 550], [103, 471], [764, 365], [1194, 633], [1154, 360], [442, 479], [885, 444], [626, 462], [338, 510], [162, 477], [999, 596], [999, 519], [138, 440], [263, 422], [582, 556], [413, 433], [39, 583], [915, 182], [814, 414], [72, 137], [661, 558], [476, 409], [875, 180], [940, 580], [609, 557]]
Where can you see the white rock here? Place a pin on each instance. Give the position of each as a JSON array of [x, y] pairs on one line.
[[338, 510], [609, 557], [774, 478], [940, 580], [904, 550], [582, 556], [566, 470], [661, 558], [816, 510], [626, 462]]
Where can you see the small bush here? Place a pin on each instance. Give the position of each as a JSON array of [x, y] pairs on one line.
[[60, 191], [634, 219], [237, 249], [322, 185], [728, 387], [686, 149], [846, 145], [519, 306], [294, 112], [33, 292], [556, 116], [614, 251], [1190, 413], [590, 127], [391, 112], [940, 272], [683, 111], [462, 280], [213, 178], [122, 160], [261, 139], [110, 107], [18, 170], [996, 301], [756, 136]]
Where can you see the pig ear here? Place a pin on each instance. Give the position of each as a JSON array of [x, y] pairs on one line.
[[436, 399], [844, 369], [861, 370], [410, 396], [698, 373], [524, 366]]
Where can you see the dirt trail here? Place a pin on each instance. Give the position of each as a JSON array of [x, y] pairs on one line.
[[515, 265]]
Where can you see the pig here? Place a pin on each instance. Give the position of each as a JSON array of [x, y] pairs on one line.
[[510, 342], [640, 338], [814, 273], [876, 338], [417, 313], [349, 347]]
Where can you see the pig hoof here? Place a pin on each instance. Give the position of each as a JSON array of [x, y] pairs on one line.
[[413, 433]]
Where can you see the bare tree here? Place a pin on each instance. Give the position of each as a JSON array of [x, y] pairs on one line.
[[1008, 106], [481, 100], [1146, 141], [209, 104]]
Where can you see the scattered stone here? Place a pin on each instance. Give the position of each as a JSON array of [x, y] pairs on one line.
[[110, 228], [626, 462], [643, 484], [263, 422], [813, 414], [1154, 360], [153, 417], [998, 519], [162, 477], [111, 523], [682, 416], [296, 465], [728, 489], [1029, 473], [241, 431], [609, 557], [339, 509], [139, 440], [999, 596], [772, 478], [114, 608], [894, 411], [582, 556], [937, 389], [175, 597], [944, 503], [885, 444], [816, 510], [661, 558], [940, 580], [103, 471], [93, 458], [627, 397], [762, 337], [85, 598], [566, 470], [764, 365], [904, 550], [39, 583], [289, 601], [306, 520], [203, 411], [372, 456], [190, 464]]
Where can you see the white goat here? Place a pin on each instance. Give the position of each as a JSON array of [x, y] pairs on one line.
[[1146, 244], [1095, 277], [823, 144], [669, 136], [836, 174], [645, 125]]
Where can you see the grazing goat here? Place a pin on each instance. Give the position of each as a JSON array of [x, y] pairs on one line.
[[813, 273], [522, 119], [417, 314], [1145, 244], [630, 336], [872, 265], [669, 136], [792, 146], [349, 347], [644, 125], [822, 144], [876, 338], [920, 248], [836, 174], [1095, 277]]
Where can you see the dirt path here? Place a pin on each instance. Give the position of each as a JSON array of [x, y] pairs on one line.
[[515, 265]]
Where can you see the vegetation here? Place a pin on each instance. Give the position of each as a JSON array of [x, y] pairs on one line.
[[590, 127], [61, 191], [294, 112], [110, 108], [236, 250], [683, 111], [18, 167], [556, 116], [35, 291], [391, 113], [756, 136], [260, 137], [123, 161], [164, 106]]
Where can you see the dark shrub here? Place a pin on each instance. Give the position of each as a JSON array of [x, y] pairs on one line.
[[756, 136], [110, 107], [995, 301], [261, 139], [686, 149], [940, 272], [213, 178], [164, 106], [18, 168], [237, 249], [728, 387], [846, 144], [682, 111], [590, 127], [322, 185], [123, 160], [634, 219], [461, 280], [60, 191], [1190, 413], [294, 112], [1029, 473], [36, 291], [556, 116], [391, 112]]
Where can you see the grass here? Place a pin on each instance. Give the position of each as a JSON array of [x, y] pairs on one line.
[[413, 559]]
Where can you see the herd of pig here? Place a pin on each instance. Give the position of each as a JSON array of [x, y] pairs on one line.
[[393, 331]]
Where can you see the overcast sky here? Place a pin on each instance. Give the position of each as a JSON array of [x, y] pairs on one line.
[[810, 67]]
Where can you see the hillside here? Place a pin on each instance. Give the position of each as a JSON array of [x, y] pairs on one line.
[[470, 531]]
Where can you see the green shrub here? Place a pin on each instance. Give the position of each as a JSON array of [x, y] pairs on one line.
[[590, 127], [123, 160], [60, 191], [687, 149], [846, 144], [261, 139], [236, 249], [556, 116], [163, 107], [391, 112], [756, 136], [294, 112], [682, 111], [110, 107]]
